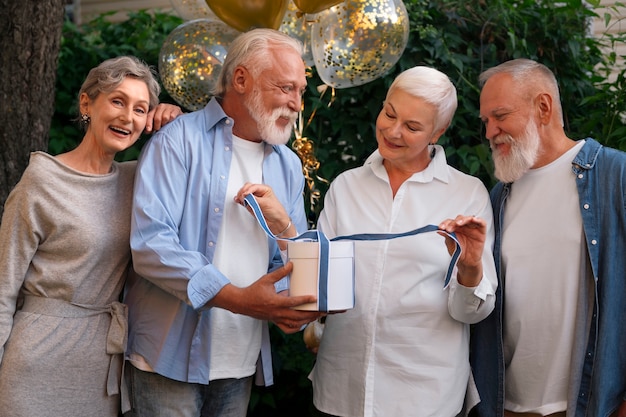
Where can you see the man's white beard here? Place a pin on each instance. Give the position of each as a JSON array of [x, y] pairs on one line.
[[270, 132], [522, 155]]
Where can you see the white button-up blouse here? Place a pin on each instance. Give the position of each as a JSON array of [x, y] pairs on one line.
[[403, 349]]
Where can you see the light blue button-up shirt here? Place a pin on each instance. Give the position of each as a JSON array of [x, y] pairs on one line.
[[180, 190]]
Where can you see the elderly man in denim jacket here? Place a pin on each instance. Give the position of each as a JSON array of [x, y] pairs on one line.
[[554, 344]]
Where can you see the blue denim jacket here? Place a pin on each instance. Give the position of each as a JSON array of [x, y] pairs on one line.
[[601, 182]]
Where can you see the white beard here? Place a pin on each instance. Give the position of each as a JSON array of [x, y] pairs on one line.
[[523, 154], [266, 122]]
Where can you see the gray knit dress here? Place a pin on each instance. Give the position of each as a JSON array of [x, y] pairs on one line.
[[64, 256]]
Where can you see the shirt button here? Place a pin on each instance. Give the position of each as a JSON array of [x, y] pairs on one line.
[[226, 148], [211, 244], [216, 209], [586, 206], [222, 177], [580, 176], [594, 242]]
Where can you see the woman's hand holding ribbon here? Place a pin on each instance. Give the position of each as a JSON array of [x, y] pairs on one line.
[[471, 232]]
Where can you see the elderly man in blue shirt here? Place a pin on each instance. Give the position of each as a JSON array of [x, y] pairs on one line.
[[209, 278]]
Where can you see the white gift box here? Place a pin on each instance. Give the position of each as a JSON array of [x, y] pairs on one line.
[[337, 292]]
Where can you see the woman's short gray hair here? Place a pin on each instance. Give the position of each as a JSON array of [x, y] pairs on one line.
[[111, 73], [433, 87], [250, 49]]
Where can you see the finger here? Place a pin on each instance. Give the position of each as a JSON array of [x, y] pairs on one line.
[[297, 319], [288, 329], [159, 116], [173, 112], [157, 122], [306, 317], [261, 190], [473, 219], [473, 223], [461, 220], [450, 243], [258, 190], [451, 225], [169, 113], [149, 119], [243, 192], [279, 273], [298, 300]]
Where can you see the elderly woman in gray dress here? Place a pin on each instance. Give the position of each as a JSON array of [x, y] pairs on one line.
[[64, 255]]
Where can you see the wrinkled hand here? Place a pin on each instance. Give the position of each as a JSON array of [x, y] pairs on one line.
[[260, 300], [275, 214], [471, 232], [161, 115]]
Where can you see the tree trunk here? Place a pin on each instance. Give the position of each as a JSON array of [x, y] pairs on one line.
[[30, 38]]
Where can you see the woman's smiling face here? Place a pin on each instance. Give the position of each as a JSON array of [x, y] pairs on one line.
[[404, 129], [118, 117]]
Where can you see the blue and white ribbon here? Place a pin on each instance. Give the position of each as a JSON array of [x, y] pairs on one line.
[[324, 246]]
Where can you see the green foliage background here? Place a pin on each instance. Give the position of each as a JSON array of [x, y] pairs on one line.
[[460, 38]]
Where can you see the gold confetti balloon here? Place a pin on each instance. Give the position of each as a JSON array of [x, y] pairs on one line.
[[298, 25], [191, 59], [193, 9], [358, 41]]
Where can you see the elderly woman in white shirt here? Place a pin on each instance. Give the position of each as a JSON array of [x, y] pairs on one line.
[[403, 349]]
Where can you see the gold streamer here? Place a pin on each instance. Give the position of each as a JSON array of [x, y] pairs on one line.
[[305, 149]]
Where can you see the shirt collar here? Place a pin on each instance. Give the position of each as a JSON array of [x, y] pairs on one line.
[[588, 155], [436, 169]]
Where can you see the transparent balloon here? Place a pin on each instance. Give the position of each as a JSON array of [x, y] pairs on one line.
[[358, 41], [298, 25], [191, 59], [193, 9]]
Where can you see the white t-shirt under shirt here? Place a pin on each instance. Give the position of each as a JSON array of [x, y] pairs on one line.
[[542, 254], [235, 338], [241, 255]]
